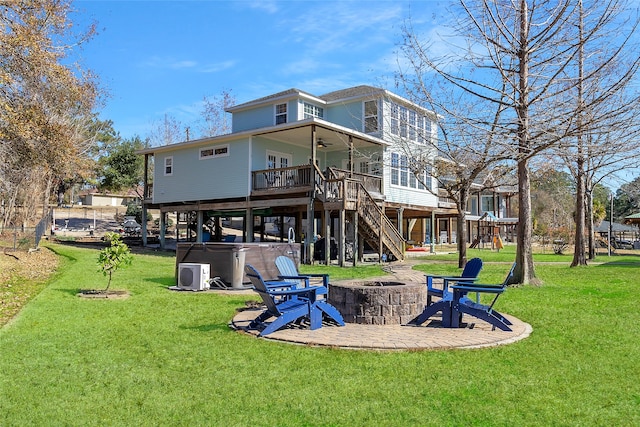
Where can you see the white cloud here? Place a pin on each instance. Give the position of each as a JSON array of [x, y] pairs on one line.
[[217, 66], [269, 6], [182, 64], [168, 63], [186, 64], [340, 25]]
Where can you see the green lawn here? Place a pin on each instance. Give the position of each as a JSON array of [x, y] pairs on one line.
[[163, 358]]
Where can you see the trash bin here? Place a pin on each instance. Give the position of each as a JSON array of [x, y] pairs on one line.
[[239, 255]]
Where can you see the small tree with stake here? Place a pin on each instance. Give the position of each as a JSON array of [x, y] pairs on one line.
[[114, 256]]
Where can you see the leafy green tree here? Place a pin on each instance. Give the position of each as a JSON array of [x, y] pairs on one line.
[[600, 203], [627, 200], [122, 167]]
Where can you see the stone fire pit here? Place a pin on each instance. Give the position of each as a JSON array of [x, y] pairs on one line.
[[378, 302]]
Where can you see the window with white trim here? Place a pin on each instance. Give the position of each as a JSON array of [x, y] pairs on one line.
[[408, 123], [395, 119], [371, 117], [281, 114], [168, 166], [404, 173], [213, 152], [311, 110], [395, 171], [277, 160], [403, 121], [487, 203]]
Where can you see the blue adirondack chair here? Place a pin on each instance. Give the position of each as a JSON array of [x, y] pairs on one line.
[[455, 304], [289, 272], [470, 273], [298, 305], [462, 305]]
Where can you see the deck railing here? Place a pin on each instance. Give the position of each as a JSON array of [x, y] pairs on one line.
[[372, 183], [273, 180]]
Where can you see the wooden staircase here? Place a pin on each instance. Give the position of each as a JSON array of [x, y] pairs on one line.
[[373, 225]]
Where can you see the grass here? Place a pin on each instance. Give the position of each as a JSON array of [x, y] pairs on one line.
[[167, 358]]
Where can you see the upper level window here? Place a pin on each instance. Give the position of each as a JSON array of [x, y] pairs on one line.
[[412, 125], [409, 124], [281, 114], [168, 166], [423, 129], [311, 110], [403, 121], [211, 152], [395, 119], [370, 116]]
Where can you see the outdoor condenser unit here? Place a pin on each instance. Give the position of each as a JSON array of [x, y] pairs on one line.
[[194, 277]]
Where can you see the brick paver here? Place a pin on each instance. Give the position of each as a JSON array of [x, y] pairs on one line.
[[429, 336]]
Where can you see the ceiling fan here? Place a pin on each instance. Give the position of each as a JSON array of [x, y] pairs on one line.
[[322, 144]]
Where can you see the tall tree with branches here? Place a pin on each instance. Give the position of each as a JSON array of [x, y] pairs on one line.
[[45, 104], [605, 127], [460, 155], [513, 57], [216, 119]]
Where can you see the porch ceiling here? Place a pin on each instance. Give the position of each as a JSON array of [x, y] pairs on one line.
[[335, 137]]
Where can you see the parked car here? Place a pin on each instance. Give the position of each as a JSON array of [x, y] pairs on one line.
[[130, 227], [624, 244]]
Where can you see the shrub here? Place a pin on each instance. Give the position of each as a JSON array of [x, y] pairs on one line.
[[114, 256]]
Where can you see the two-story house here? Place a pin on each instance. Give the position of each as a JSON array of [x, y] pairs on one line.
[[325, 165]]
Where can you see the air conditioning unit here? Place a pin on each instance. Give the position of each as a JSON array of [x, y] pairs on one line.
[[194, 277]]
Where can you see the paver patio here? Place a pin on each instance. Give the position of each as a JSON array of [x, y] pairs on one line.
[[429, 336]]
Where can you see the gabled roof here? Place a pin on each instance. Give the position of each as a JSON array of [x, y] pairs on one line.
[[366, 91], [342, 95], [352, 92], [284, 95]]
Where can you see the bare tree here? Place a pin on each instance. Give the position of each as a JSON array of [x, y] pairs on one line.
[[168, 131], [461, 156], [605, 128], [216, 119], [515, 59]]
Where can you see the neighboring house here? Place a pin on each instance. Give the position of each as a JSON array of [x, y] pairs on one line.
[[292, 156], [94, 197], [619, 232], [488, 213]]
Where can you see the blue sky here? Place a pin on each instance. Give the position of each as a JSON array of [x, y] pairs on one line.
[[158, 58]]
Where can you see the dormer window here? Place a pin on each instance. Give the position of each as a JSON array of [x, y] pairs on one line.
[[281, 114]]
